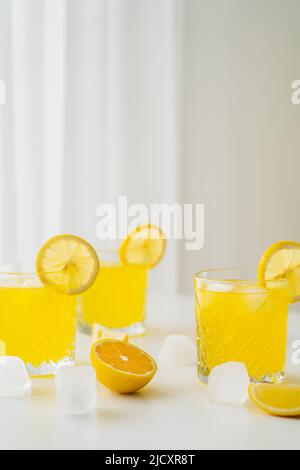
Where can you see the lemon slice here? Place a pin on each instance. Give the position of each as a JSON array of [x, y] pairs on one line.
[[282, 261], [67, 264], [121, 366], [144, 246], [279, 400]]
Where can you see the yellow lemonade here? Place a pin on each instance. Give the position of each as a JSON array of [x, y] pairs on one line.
[[241, 322], [117, 300], [37, 325]]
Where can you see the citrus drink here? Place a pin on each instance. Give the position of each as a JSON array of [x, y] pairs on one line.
[[117, 299], [36, 324], [240, 321]]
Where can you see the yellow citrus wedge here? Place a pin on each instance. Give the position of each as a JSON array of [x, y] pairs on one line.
[[99, 332], [282, 261], [122, 367], [67, 264], [144, 246], [278, 400]]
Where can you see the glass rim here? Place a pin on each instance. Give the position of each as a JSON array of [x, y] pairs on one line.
[[115, 260], [16, 269], [203, 275], [6, 270]]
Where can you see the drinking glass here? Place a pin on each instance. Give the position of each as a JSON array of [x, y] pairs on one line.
[[36, 323], [117, 300], [241, 321]]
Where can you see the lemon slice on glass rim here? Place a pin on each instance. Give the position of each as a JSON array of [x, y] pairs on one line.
[[281, 261], [144, 246], [67, 264], [278, 400]]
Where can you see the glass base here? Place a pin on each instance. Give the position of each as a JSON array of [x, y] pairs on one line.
[[136, 329], [48, 367], [275, 379]]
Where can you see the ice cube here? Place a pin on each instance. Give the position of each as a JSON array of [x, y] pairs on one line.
[[76, 389], [228, 384], [253, 297], [178, 350], [251, 290], [31, 283], [219, 287], [27, 284], [14, 378]]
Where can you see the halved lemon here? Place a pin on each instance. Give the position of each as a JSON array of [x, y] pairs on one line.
[[122, 367], [278, 400], [144, 246], [282, 261], [67, 264]]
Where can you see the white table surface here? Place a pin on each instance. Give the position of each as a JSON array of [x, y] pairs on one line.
[[172, 413]]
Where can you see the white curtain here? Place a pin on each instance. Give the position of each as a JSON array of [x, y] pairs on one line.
[[160, 100], [92, 112]]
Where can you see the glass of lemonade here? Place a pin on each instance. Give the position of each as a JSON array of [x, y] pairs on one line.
[[117, 300], [241, 321], [36, 323]]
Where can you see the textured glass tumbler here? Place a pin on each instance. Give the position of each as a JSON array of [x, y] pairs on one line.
[[36, 324], [117, 300], [241, 321]]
